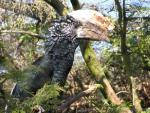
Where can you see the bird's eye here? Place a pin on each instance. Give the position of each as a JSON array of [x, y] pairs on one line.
[[63, 25], [57, 28]]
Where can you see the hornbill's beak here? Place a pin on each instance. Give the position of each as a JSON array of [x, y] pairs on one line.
[[94, 25]]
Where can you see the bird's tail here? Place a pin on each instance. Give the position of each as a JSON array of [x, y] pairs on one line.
[[18, 92]]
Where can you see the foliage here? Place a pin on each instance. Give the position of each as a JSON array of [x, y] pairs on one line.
[[46, 97]]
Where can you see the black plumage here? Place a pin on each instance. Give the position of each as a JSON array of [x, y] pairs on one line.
[[60, 44], [61, 41]]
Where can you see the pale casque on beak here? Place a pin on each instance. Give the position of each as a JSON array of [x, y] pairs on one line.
[[94, 25]]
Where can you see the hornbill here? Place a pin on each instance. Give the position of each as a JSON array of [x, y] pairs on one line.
[[61, 40]]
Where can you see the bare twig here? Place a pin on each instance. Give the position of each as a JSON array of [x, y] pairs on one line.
[[122, 92], [18, 46]]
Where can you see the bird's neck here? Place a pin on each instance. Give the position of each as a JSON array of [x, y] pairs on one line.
[[61, 48]]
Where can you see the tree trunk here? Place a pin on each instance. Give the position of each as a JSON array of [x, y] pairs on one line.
[[122, 21]]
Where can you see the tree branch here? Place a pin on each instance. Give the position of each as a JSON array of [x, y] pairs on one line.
[[135, 18], [23, 32], [58, 6], [119, 8], [75, 4], [66, 104], [39, 10]]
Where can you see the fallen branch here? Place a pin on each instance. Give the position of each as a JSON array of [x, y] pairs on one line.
[[66, 104]]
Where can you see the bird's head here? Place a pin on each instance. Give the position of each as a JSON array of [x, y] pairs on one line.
[[93, 25], [81, 24]]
